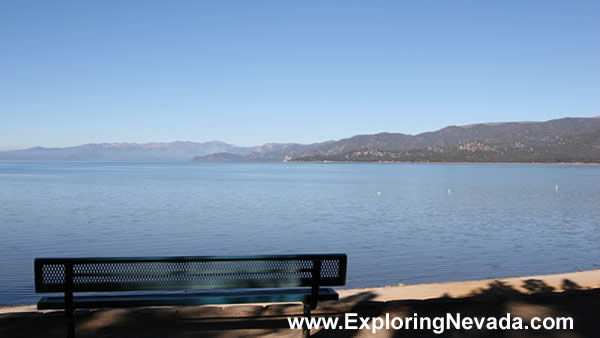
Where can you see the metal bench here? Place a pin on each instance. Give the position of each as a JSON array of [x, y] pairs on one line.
[[212, 280]]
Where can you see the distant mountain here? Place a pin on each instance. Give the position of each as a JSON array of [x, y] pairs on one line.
[[270, 152], [562, 140], [282, 151], [220, 158], [173, 151]]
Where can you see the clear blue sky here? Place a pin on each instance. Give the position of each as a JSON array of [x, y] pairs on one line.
[[250, 72]]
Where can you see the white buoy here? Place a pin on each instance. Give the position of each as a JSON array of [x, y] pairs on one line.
[[449, 190], [556, 188]]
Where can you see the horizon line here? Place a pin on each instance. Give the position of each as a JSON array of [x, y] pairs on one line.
[[9, 148]]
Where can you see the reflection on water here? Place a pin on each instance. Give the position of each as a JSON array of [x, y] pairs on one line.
[[398, 223]]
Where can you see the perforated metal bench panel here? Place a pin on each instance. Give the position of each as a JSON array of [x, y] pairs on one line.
[[185, 273], [191, 298]]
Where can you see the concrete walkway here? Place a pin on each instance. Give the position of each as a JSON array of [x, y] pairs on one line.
[[575, 294]]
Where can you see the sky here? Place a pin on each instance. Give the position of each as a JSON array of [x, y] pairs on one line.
[[251, 72]]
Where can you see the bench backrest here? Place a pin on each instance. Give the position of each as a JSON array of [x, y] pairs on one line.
[[185, 273]]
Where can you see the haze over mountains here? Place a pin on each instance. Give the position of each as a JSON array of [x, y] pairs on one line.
[[173, 151], [561, 140]]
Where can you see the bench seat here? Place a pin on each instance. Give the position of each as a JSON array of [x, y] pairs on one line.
[[190, 298]]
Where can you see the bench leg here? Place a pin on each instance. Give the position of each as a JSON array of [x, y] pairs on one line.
[[69, 314], [69, 310], [71, 328], [305, 330]]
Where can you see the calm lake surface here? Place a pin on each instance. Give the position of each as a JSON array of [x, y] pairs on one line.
[[430, 222]]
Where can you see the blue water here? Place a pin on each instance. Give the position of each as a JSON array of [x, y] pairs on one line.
[[431, 222]]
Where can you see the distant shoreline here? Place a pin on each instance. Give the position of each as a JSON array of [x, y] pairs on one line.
[[441, 162], [316, 162]]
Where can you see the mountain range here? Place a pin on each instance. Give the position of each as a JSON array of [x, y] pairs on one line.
[[561, 140], [172, 151]]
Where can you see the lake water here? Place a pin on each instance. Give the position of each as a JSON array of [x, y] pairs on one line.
[[430, 222]]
